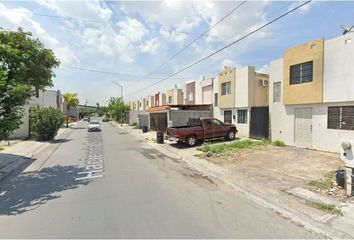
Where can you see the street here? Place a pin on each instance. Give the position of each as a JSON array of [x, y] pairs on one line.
[[110, 185]]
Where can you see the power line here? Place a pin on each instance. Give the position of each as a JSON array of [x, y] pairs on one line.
[[80, 68], [196, 39], [223, 48]]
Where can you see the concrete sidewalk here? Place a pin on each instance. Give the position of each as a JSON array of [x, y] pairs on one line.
[[15, 156], [260, 188]]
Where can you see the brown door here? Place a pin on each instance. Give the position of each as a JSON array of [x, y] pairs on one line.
[[219, 128], [208, 129]]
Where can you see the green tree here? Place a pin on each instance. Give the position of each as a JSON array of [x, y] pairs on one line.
[[25, 65], [71, 100], [117, 109], [45, 122]]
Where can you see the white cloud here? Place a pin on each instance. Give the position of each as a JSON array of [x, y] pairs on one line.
[[304, 9], [228, 63], [120, 43], [173, 36], [81, 10], [22, 17], [149, 46], [66, 56], [264, 69], [132, 29]]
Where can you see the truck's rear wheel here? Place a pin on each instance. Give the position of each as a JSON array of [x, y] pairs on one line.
[[191, 141], [230, 135]]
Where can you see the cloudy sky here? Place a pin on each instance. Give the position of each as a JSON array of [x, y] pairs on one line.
[[99, 42]]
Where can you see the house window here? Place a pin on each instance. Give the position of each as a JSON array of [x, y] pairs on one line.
[[228, 116], [242, 116], [341, 118], [215, 99], [276, 91], [190, 96], [226, 88], [301, 73]]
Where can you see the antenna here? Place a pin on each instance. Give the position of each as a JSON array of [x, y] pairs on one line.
[[346, 30]]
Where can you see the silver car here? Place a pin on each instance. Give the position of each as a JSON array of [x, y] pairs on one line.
[[94, 126]]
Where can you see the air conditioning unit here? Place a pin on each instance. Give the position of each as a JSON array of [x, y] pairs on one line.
[[263, 82]]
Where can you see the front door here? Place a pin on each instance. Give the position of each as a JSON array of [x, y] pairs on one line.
[[303, 127]]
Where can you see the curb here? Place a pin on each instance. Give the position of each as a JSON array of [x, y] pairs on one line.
[[286, 212]]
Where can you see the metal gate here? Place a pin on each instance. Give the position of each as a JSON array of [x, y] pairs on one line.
[[259, 128], [158, 121]]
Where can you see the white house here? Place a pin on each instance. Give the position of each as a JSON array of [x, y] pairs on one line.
[[311, 95], [48, 98]]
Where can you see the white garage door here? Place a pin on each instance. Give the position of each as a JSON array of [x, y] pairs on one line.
[[303, 127]]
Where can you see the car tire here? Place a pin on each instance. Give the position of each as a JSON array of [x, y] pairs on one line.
[[230, 135], [191, 141]]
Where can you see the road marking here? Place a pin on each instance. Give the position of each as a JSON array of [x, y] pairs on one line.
[[94, 158]]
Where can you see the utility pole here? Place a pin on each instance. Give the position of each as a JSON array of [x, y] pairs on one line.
[[121, 89]]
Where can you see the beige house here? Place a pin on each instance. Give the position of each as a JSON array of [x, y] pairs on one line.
[[312, 94], [239, 90], [174, 96]]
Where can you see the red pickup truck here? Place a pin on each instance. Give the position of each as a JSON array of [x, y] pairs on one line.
[[201, 129]]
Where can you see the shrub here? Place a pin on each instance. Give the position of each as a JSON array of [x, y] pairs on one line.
[[45, 122], [279, 143]]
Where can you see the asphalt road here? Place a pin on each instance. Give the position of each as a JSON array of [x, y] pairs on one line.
[[111, 185]]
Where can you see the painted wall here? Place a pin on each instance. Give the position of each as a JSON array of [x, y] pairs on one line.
[[339, 69], [216, 110], [227, 75], [260, 94], [204, 91], [190, 93], [304, 93], [242, 85], [281, 118]]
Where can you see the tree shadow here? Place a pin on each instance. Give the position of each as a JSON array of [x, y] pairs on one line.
[[29, 190]]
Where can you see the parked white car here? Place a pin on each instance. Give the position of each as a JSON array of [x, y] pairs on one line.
[[94, 126]]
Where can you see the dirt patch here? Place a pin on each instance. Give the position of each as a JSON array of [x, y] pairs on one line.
[[281, 168]]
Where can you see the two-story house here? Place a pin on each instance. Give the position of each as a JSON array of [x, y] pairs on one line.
[[237, 92], [175, 96], [312, 94]]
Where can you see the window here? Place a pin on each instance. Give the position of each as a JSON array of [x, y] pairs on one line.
[[190, 96], [217, 123], [242, 116], [228, 116], [301, 73], [341, 118], [215, 99], [276, 91], [226, 88], [169, 99]]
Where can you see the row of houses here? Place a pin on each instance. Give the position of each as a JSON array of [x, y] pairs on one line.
[[47, 98], [306, 99]]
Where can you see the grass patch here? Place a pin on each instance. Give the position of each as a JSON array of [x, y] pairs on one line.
[[279, 143], [327, 208], [1, 148], [137, 127], [326, 182], [237, 145]]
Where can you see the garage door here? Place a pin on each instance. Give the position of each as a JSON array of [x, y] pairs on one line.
[[303, 127]]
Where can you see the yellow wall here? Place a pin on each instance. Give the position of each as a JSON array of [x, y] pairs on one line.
[[260, 94], [304, 93], [228, 75]]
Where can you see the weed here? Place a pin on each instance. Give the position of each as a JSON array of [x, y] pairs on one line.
[[279, 143], [237, 145], [325, 183], [1, 148], [137, 127], [327, 207]]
